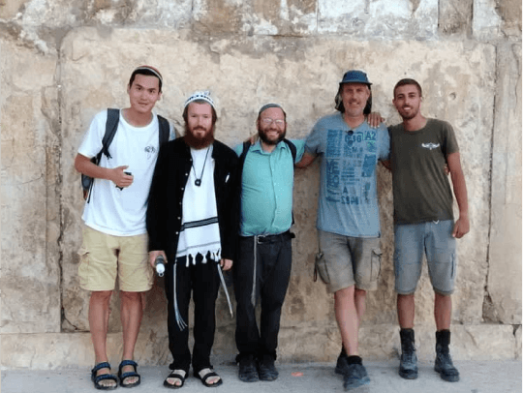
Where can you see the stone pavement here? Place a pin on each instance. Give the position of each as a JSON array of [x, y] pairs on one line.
[[476, 377]]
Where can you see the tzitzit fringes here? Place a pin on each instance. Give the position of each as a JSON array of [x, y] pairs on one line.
[[179, 320]]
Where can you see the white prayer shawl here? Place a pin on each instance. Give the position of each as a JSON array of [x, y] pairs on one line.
[[200, 233]]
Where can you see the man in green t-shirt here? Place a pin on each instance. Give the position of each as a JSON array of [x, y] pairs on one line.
[[424, 221]]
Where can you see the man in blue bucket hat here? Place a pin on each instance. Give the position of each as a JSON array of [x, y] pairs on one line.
[[348, 221]]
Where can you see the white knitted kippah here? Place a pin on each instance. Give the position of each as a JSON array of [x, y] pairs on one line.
[[204, 95]]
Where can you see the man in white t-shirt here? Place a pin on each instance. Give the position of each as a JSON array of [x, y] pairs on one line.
[[114, 235]]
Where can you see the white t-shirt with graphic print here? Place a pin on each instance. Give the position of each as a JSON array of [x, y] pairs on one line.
[[111, 210]]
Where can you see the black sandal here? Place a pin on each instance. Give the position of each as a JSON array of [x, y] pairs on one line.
[[210, 374], [175, 374], [123, 376], [98, 378]]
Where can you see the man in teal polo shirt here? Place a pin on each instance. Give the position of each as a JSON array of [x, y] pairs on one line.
[[265, 251]]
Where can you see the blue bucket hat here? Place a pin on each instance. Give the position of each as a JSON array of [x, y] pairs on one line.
[[355, 76]]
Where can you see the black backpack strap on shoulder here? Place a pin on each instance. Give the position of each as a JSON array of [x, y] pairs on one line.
[[292, 147], [113, 118], [111, 125], [164, 130], [246, 146]]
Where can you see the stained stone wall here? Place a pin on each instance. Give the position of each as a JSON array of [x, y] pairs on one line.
[[63, 61]]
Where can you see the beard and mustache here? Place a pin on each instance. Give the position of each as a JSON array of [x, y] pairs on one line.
[[262, 133], [196, 141]]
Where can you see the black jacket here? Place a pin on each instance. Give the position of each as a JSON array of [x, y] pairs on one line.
[[164, 211]]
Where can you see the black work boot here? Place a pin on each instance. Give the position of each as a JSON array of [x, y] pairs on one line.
[[443, 364], [409, 360]]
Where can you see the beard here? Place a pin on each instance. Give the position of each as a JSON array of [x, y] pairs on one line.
[[263, 136], [197, 142], [409, 115]]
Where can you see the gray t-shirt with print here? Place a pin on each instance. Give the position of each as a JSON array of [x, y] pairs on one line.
[[420, 185], [348, 202]]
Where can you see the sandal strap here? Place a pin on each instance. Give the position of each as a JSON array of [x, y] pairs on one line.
[[208, 375], [128, 362], [105, 376], [99, 366], [129, 374]]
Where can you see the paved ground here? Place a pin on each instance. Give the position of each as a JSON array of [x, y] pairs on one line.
[[476, 377]]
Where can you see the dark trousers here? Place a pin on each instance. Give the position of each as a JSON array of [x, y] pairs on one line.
[[273, 269], [203, 280]]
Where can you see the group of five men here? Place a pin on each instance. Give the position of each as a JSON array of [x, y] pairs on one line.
[[206, 208]]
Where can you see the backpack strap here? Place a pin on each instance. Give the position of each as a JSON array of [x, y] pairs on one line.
[[292, 147], [111, 125], [164, 130], [246, 146]]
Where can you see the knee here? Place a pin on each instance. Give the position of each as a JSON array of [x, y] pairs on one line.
[[344, 295], [101, 296], [132, 297], [360, 292]]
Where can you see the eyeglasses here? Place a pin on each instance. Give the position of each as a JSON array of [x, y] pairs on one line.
[[268, 121]]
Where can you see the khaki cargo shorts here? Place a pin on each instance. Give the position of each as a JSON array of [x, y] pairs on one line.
[[104, 257], [344, 261]]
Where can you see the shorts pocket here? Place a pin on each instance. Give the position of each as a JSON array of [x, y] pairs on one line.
[[321, 268], [375, 264]]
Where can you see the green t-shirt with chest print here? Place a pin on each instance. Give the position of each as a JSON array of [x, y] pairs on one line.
[[421, 187]]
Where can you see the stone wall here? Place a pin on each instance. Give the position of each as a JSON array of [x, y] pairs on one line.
[[63, 61]]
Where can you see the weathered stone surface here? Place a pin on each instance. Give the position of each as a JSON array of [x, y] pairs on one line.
[[297, 344], [504, 275], [409, 19], [455, 16], [464, 97], [218, 16], [510, 12], [30, 203], [276, 17], [486, 21], [250, 53]]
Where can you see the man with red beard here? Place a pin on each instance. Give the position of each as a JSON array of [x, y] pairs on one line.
[[424, 222], [264, 251], [192, 220]]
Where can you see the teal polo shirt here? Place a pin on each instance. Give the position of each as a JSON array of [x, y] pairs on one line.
[[267, 182]]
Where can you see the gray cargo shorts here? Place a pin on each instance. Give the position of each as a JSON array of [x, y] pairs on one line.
[[344, 261]]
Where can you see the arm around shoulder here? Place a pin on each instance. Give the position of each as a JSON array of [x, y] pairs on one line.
[[305, 161]]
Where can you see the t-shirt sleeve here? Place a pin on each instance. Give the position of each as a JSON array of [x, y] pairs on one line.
[[450, 144], [312, 143], [384, 143], [92, 142], [172, 132], [300, 148], [238, 149]]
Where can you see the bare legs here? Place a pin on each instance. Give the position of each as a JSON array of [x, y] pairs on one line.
[[350, 307], [442, 311], [132, 305]]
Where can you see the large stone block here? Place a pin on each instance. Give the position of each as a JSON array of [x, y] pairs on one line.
[[304, 343], [455, 16], [409, 19], [486, 24], [277, 17], [30, 200], [504, 274]]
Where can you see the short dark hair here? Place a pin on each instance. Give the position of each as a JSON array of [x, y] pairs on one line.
[[268, 106], [408, 81], [145, 71], [339, 102], [186, 109]]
